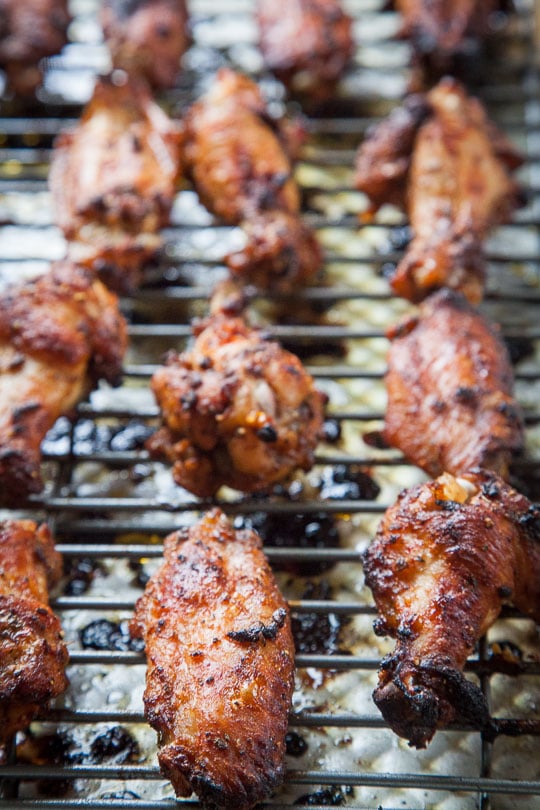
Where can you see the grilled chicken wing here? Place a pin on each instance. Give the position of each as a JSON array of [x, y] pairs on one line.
[[446, 557], [147, 37], [33, 656], [456, 185], [220, 664], [238, 160], [238, 410], [58, 336], [307, 44], [29, 31], [450, 390], [113, 180]]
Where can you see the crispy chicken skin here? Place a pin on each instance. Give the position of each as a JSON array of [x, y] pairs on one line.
[[455, 184], [446, 557], [307, 44], [113, 180], [29, 31], [450, 390], [33, 656], [147, 37], [220, 664], [59, 335], [238, 160], [237, 409]]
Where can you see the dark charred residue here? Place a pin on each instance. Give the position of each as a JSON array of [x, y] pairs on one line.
[[447, 505], [79, 574], [141, 576], [105, 635], [116, 743], [267, 434], [519, 348], [330, 797], [89, 437], [347, 482], [331, 431], [506, 657], [295, 744], [491, 490], [318, 633], [259, 631]]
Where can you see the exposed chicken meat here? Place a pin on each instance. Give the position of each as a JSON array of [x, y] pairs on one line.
[[33, 656], [113, 180], [220, 664], [59, 335], [445, 559]]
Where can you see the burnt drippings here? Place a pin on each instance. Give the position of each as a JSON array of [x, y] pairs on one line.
[[318, 633], [398, 241], [506, 657], [89, 437], [347, 482], [103, 634], [80, 574], [295, 744], [333, 796], [116, 744], [519, 348], [331, 430]]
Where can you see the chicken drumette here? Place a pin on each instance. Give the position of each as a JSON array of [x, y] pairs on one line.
[[450, 168], [59, 335], [237, 409], [113, 180], [450, 390], [307, 44], [445, 559], [237, 158], [30, 31], [147, 37], [220, 664], [33, 656]]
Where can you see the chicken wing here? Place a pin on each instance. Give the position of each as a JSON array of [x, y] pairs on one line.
[[33, 656], [456, 184], [113, 180], [237, 158], [307, 44], [220, 664], [58, 336], [445, 558], [29, 31], [450, 390], [238, 410], [147, 37]]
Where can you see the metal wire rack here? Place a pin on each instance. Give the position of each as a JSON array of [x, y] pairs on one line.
[[109, 507]]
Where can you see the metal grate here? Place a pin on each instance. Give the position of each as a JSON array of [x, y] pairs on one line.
[[110, 505]]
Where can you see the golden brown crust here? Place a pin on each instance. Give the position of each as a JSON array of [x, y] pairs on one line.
[[450, 391], [445, 558], [220, 664]]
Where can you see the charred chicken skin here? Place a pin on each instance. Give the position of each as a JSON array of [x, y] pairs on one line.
[[445, 559], [237, 409], [33, 656], [238, 160], [455, 184], [450, 390], [113, 180], [30, 31], [220, 665], [147, 37], [307, 44], [59, 335]]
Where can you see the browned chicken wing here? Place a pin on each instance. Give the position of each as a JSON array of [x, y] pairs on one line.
[[445, 559], [450, 390], [147, 37], [113, 180], [33, 656], [29, 31], [238, 410], [58, 336], [220, 665], [307, 44], [238, 160], [455, 184]]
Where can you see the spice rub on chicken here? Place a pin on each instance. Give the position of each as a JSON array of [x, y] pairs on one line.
[[450, 384], [238, 159], [220, 664], [30, 31], [33, 656], [113, 181], [445, 559], [147, 37], [237, 409], [59, 335], [447, 165], [307, 44]]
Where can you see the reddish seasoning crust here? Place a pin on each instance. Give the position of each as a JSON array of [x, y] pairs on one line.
[[220, 664], [238, 410], [33, 656], [450, 388], [445, 558], [59, 335]]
